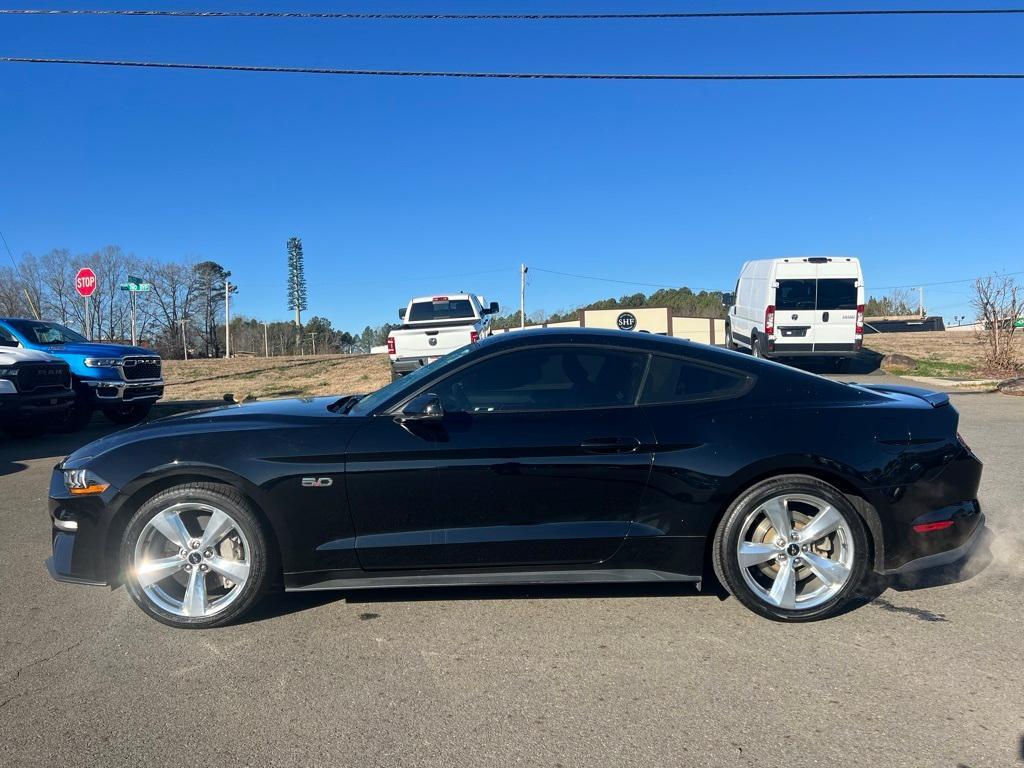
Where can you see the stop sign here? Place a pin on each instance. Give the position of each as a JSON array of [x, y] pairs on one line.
[[85, 282]]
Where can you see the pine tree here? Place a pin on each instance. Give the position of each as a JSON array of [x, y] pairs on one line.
[[296, 279]]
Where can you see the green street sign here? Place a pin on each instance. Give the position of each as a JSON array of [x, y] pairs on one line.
[[1019, 322], [135, 287]]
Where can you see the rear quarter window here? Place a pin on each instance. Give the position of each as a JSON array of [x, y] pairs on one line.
[[673, 380]]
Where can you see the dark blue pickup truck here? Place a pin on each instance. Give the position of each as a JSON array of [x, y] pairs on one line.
[[121, 380]]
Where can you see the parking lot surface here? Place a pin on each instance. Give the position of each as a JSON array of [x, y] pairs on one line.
[[924, 672]]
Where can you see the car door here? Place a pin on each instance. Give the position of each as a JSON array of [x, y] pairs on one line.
[[541, 459], [835, 316]]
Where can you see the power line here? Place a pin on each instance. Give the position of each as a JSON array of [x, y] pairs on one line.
[[521, 75], [653, 15], [945, 282], [603, 279]]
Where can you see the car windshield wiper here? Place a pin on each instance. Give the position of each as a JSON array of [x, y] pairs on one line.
[[345, 404]]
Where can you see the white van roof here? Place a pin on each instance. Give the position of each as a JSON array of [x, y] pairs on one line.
[[803, 266]]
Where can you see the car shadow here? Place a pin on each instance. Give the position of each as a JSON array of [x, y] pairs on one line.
[[280, 604], [871, 591]]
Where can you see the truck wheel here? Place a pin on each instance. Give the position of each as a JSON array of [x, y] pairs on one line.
[[79, 415], [755, 346], [130, 413]]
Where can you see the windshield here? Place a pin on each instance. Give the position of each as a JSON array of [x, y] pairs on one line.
[[410, 381], [440, 309], [37, 332]]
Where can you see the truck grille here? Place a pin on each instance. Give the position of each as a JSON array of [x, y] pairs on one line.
[[34, 376], [138, 368]]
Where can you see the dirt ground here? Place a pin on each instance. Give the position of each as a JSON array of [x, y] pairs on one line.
[[262, 377], [959, 347]]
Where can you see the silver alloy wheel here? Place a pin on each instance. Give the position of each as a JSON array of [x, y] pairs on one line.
[[795, 551], [192, 560]]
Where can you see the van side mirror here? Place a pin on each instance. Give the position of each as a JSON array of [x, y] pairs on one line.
[[401, 313], [728, 299], [425, 407]]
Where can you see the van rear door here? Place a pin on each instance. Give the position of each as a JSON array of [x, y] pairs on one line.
[[795, 294], [835, 316]]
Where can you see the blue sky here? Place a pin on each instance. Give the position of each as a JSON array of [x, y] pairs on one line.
[[419, 186]]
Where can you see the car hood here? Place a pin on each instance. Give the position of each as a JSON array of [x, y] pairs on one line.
[[97, 349], [265, 414], [13, 355]]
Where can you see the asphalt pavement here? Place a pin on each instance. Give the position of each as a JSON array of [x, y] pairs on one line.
[[918, 673]]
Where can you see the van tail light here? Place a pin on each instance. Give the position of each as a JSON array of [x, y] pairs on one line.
[[391, 345], [769, 320], [860, 319], [474, 337]]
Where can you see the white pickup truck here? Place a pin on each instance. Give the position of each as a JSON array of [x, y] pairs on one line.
[[433, 326]]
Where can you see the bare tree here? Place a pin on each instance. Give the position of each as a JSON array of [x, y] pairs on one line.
[[999, 303]]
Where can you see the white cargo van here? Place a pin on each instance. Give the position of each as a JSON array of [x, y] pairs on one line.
[[798, 306]]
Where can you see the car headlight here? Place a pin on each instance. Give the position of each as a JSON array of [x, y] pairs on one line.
[[83, 482], [7, 387], [102, 362]]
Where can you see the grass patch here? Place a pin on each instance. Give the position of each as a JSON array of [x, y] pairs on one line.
[[942, 369]]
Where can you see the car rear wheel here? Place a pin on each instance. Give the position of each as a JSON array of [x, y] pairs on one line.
[[79, 415], [195, 556], [791, 548], [755, 346], [129, 413], [729, 343]]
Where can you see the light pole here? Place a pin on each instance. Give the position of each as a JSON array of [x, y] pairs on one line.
[[184, 339]]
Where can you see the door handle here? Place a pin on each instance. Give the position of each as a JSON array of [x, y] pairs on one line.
[[610, 445]]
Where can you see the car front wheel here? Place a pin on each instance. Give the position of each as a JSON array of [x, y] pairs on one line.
[[791, 548], [195, 556]]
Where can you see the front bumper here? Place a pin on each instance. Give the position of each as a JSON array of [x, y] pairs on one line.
[[18, 408], [114, 392], [80, 555]]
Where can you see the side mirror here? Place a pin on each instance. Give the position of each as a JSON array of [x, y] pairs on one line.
[[728, 299], [493, 309], [425, 407], [401, 313]]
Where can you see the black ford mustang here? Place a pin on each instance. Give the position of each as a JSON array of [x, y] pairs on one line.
[[531, 457]]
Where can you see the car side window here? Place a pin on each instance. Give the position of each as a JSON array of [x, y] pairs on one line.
[[7, 338], [545, 378], [673, 380]]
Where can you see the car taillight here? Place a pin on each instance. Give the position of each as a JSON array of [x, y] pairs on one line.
[[391, 345], [769, 320], [860, 319], [941, 525], [474, 337]]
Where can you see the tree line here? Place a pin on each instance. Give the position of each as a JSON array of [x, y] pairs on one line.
[[183, 311], [683, 302]]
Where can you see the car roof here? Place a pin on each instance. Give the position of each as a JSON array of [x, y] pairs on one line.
[[637, 340]]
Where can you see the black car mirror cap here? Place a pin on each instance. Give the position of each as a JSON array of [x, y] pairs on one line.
[[426, 407]]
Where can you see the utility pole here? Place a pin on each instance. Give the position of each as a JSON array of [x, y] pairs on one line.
[[266, 344], [312, 336], [131, 298], [920, 301], [227, 319], [184, 339], [523, 269]]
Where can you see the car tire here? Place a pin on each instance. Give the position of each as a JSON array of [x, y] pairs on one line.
[[80, 414], [729, 343], [129, 413], [791, 577], [755, 346], [192, 573]]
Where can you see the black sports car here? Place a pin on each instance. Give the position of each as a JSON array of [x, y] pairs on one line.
[[529, 457]]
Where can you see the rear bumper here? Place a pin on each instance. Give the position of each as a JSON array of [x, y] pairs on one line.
[[114, 392], [407, 364], [946, 557], [784, 349]]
